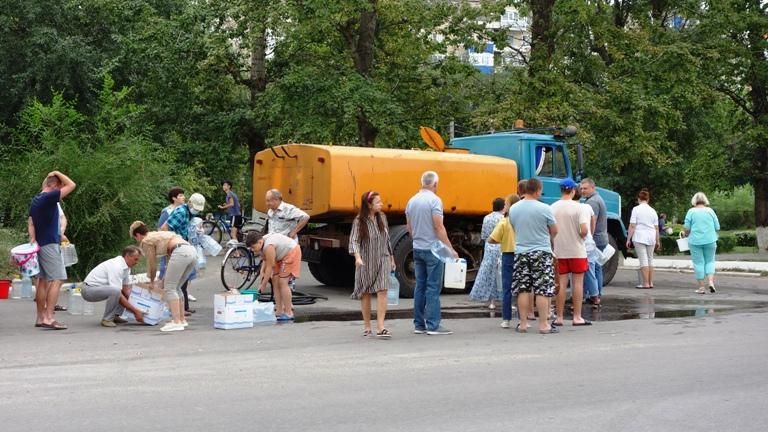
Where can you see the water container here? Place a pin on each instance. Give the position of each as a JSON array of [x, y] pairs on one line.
[[76, 302], [27, 290], [441, 251], [16, 289], [393, 292], [88, 307], [264, 313]]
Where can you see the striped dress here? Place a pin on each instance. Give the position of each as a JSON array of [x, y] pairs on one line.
[[375, 252]]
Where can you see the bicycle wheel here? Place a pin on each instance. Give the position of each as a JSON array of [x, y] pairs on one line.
[[212, 229], [237, 268]]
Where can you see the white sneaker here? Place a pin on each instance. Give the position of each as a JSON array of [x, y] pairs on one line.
[[505, 324], [172, 326], [191, 298], [185, 324]]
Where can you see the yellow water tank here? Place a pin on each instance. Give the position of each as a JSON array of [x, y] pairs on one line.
[[328, 181]]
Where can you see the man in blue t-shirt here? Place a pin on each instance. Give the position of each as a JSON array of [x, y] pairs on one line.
[[43, 228], [534, 272], [424, 216], [232, 206]]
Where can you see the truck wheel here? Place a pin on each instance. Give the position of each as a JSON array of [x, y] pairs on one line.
[[320, 273], [341, 267], [609, 269], [406, 272]]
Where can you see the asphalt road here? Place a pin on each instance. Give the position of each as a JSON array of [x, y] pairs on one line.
[[663, 374]]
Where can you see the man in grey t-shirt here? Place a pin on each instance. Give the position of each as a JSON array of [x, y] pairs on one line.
[[600, 227], [424, 215]]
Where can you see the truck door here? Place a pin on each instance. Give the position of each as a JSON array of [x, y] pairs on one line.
[[550, 166]]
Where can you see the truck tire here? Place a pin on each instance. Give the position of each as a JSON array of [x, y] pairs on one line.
[[320, 273], [341, 267], [609, 269], [406, 272]]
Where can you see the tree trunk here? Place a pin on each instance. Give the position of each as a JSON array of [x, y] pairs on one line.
[[759, 97], [257, 84], [361, 44], [542, 36]]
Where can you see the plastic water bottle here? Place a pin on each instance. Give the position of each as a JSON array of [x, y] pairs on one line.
[[26, 287], [76, 302], [393, 293], [441, 251], [16, 289]]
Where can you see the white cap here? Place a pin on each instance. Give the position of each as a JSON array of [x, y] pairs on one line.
[[197, 201]]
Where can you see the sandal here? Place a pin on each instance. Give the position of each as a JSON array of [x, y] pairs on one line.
[[367, 332], [59, 308], [701, 291], [520, 330], [54, 326], [552, 330], [384, 334]]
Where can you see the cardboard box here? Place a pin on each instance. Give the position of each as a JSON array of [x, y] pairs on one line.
[[232, 311], [149, 302]]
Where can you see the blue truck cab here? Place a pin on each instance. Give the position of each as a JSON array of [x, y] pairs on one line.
[[545, 156]]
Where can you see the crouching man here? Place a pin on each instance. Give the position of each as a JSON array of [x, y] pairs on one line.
[[110, 281]]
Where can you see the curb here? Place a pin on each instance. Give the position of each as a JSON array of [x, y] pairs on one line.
[[690, 271]]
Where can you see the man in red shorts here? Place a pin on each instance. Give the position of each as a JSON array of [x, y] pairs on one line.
[[573, 226]]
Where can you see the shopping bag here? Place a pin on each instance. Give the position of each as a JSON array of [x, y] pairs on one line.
[[682, 243]]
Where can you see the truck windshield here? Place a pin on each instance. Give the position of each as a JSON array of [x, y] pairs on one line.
[[550, 161]]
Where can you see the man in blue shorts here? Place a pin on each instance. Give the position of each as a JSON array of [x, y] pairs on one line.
[[43, 228], [232, 206], [534, 273]]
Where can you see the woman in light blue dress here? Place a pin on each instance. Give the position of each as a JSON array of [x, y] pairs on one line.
[[488, 281]]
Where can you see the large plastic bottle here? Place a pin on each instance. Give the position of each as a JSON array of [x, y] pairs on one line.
[[76, 302], [441, 251], [393, 292], [16, 289], [27, 290]]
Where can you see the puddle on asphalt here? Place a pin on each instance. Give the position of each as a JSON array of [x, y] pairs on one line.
[[615, 309]]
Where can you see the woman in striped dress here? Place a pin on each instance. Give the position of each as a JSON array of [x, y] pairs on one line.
[[369, 243]]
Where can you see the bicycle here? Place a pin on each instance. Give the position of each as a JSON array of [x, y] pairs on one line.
[[215, 225], [241, 268]]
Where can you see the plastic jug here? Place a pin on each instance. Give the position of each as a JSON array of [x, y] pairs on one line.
[[264, 313], [76, 302], [16, 289], [393, 293], [27, 290], [441, 251]]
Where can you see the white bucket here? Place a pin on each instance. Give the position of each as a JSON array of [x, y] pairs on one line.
[[25, 256]]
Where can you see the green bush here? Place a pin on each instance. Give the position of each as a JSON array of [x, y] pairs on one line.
[[735, 209], [8, 239], [746, 239], [121, 175], [726, 243]]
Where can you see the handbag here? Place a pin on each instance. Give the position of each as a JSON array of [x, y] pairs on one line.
[[682, 243]]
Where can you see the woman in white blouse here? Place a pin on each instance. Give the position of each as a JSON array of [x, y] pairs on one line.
[[644, 234]]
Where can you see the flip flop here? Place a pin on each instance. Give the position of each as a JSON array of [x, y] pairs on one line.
[[557, 324], [60, 308], [585, 323], [520, 330], [285, 317], [54, 326], [384, 334], [552, 330], [366, 333]]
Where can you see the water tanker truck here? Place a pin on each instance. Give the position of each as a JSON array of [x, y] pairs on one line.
[[327, 181]]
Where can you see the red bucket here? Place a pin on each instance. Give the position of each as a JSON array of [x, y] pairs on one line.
[[5, 288]]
